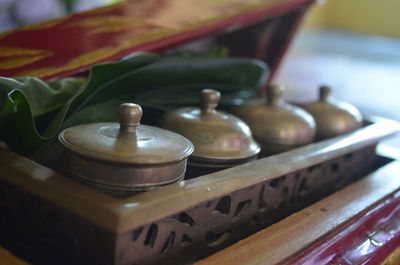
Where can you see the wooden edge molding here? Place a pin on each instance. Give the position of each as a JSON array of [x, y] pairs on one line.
[[123, 214], [393, 258], [286, 241]]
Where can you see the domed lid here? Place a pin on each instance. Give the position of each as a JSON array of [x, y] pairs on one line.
[[277, 122], [126, 142], [215, 135], [333, 117]]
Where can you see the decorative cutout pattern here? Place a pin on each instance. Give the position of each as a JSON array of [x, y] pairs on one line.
[[215, 224], [136, 233], [151, 236], [223, 205], [43, 234]]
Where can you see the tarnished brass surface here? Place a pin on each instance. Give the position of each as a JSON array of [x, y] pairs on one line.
[[106, 211], [127, 156], [47, 213], [127, 142], [333, 117], [218, 137], [276, 125], [52, 214]]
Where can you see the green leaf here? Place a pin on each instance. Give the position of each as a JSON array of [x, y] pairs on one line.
[[220, 73], [99, 76], [27, 104], [172, 82], [17, 127], [33, 112]]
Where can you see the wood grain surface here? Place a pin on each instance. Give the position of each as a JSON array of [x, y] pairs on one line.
[[288, 238], [123, 214]]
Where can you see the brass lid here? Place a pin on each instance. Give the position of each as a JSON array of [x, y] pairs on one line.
[[333, 117], [277, 122], [216, 135], [126, 142]]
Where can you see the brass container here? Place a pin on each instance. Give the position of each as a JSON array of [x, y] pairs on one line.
[[276, 125], [125, 156], [221, 140], [333, 117]]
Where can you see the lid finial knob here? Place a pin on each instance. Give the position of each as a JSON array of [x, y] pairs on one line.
[[209, 99], [324, 93], [274, 95], [129, 115]]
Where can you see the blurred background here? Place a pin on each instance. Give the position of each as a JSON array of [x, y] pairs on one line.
[[354, 47], [351, 45], [16, 13]]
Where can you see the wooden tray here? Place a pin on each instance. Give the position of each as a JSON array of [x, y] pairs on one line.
[[52, 219], [359, 224]]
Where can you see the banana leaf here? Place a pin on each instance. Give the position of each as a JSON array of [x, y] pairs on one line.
[[26, 105], [171, 83], [99, 76], [33, 112]]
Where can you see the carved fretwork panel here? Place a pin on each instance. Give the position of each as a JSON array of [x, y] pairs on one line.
[[217, 223], [44, 233]]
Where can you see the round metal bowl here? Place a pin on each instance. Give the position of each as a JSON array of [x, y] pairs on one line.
[[333, 117], [125, 156], [221, 140], [276, 125]]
